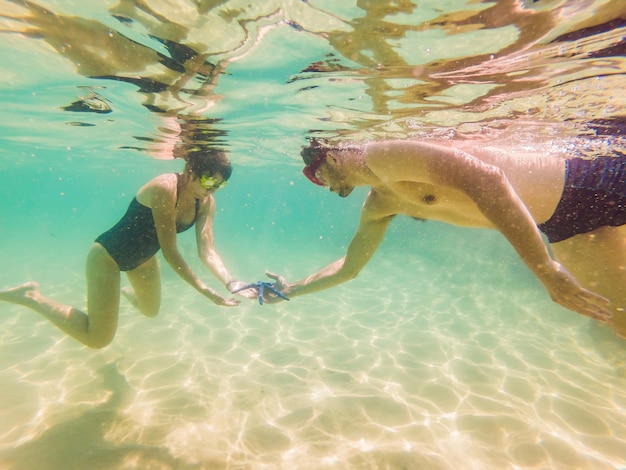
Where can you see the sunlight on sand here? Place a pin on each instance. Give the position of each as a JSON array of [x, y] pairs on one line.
[[434, 374]]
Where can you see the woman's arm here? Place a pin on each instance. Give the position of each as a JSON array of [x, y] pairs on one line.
[[205, 240], [163, 202], [207, 253]]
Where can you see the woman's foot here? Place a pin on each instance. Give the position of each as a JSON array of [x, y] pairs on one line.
[[22, 295]]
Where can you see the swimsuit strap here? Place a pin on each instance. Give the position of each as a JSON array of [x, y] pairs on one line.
[[178, 183]]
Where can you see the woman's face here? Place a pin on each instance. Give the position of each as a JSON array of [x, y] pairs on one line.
[[208, 184]]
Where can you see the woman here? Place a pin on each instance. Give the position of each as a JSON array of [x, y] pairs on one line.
[[166, 205]]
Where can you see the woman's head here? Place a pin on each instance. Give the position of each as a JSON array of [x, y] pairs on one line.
[[207, 162]]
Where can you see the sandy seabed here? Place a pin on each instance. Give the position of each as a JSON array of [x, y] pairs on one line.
[[403, 368]]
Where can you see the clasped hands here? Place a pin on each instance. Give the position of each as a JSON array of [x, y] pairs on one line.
[[264, 291]]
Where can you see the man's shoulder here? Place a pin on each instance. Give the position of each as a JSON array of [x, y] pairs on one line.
[[379, 204]]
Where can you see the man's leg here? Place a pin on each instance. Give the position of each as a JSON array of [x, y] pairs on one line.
[[598, 261]]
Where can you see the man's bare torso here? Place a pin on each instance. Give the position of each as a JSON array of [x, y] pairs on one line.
[[538, 180]]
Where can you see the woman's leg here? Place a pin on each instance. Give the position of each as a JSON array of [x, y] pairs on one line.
[[95, 330], [598, 261], [145, 294]]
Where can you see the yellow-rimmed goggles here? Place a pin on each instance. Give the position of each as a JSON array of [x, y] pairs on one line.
[[210, 182]]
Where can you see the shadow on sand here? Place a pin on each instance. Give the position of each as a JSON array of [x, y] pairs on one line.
[[80, 442]]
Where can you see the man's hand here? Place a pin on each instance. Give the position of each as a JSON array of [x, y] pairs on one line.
[[565, 290], [281, 284]]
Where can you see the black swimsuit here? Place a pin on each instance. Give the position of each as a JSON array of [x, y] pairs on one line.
[[594, 196], [133, 240]]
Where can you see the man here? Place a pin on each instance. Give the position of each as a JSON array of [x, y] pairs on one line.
[[489, 189]]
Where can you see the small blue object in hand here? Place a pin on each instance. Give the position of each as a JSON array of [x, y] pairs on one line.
[[260, 287]]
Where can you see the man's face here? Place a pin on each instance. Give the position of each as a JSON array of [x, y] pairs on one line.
[[334, 174]]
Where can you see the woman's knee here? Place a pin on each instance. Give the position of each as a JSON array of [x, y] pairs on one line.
[[100, 341], [149, 303], [146, 288], [150, 310]]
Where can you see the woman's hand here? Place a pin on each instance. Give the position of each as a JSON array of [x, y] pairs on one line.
[[250, 293], [218, 299]]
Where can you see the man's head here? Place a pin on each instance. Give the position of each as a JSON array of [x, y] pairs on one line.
[[314, 155], [325, 165]]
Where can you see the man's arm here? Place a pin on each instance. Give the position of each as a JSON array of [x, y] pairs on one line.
[[497, 200], [363, 245]]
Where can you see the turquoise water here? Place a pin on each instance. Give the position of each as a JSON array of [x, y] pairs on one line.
[[445, 352]]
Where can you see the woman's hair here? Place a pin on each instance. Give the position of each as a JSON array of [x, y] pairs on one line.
[[207, 161]]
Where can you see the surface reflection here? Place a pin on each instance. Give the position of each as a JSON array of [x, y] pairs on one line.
[[414, 62]]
